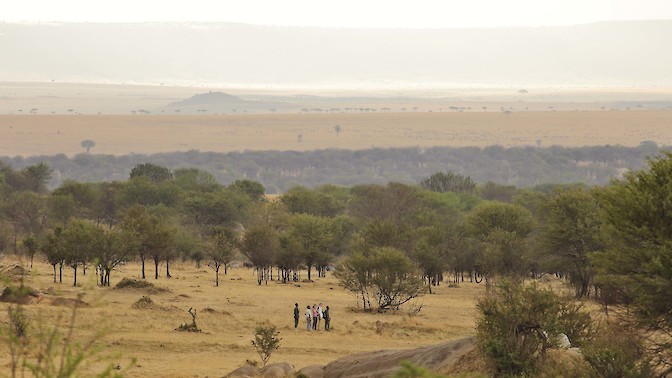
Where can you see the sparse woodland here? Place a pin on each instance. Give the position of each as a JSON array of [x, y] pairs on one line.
[[386, 243]]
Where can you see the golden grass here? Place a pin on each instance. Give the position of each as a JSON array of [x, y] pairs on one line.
[[228, 315], [26, 135]]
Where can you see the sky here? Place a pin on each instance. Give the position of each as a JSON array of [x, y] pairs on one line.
[[342, 13]]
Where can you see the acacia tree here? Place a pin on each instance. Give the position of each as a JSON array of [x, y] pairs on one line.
[[221, 246], [570, 233], [112, 249], [80, 239], [449, 182], [500, 231], [54, 250], [636, 266], [311, 238], [87, 144], [154, 173], [386, 273], [260, 245], [149, 236]]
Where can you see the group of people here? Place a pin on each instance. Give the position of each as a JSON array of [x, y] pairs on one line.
[[314, 317]]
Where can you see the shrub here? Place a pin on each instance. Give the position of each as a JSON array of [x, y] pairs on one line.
[[616, 352], [265, 341], [518, 323], [189, 327]]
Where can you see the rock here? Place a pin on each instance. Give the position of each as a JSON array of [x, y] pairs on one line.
[[247, 371], [563, 341], [278, 370], [385, 363], [312, 371]]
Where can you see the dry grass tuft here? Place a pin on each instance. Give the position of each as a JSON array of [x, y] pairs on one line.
[[127, 283]]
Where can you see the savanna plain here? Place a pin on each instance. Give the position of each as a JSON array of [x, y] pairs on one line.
[[125, 326]]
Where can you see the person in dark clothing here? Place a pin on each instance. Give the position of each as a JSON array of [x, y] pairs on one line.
[[327, 319], [296, 315]]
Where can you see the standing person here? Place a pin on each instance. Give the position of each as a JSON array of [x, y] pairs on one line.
[[327, 319], [296, 315], [309, 318], [314, 312], [320, 315]]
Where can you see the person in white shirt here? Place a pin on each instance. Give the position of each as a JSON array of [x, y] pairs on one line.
[[320, 315], [309, 318]]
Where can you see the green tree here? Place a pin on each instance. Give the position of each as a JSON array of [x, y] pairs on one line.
[[154, 173], [500, 231], [26, 212], [570, 233], [260, 245], [311, 238], [37, 176], [636, 266], [148, 235], [221, 246], [449, 182], [80, 239], [54, 249], [253, 189], [87, 144], [301, 200], [30, 245], [111, 250], [386, 273], [517, 324], [196, 180]]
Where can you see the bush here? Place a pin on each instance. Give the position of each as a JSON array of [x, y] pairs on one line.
[[616, 352], [518, 323], [265, 341]]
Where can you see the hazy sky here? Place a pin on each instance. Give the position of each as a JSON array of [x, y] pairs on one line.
[[342, 13]]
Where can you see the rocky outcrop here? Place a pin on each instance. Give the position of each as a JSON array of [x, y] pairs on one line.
[[384, 363]]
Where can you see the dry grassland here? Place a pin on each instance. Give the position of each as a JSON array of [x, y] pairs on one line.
[[228, 315], [25, 135]]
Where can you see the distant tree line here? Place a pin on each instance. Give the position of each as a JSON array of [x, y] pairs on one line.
[[278, 171]]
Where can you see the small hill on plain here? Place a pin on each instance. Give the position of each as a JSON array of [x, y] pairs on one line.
[[220, 102]]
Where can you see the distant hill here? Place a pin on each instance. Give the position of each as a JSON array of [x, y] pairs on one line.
[[624, 53], [219, 102]]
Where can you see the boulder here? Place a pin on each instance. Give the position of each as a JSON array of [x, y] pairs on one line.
[[247, 371], [278, 370], [385, 363], [312, 371]]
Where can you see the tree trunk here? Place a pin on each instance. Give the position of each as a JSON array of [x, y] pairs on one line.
[[107, 276], [54, 273], [309, 267], [217, 275], [168, 268], [156, 268], [226, 268], [75, 282], [142, 259], [60, 272]]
